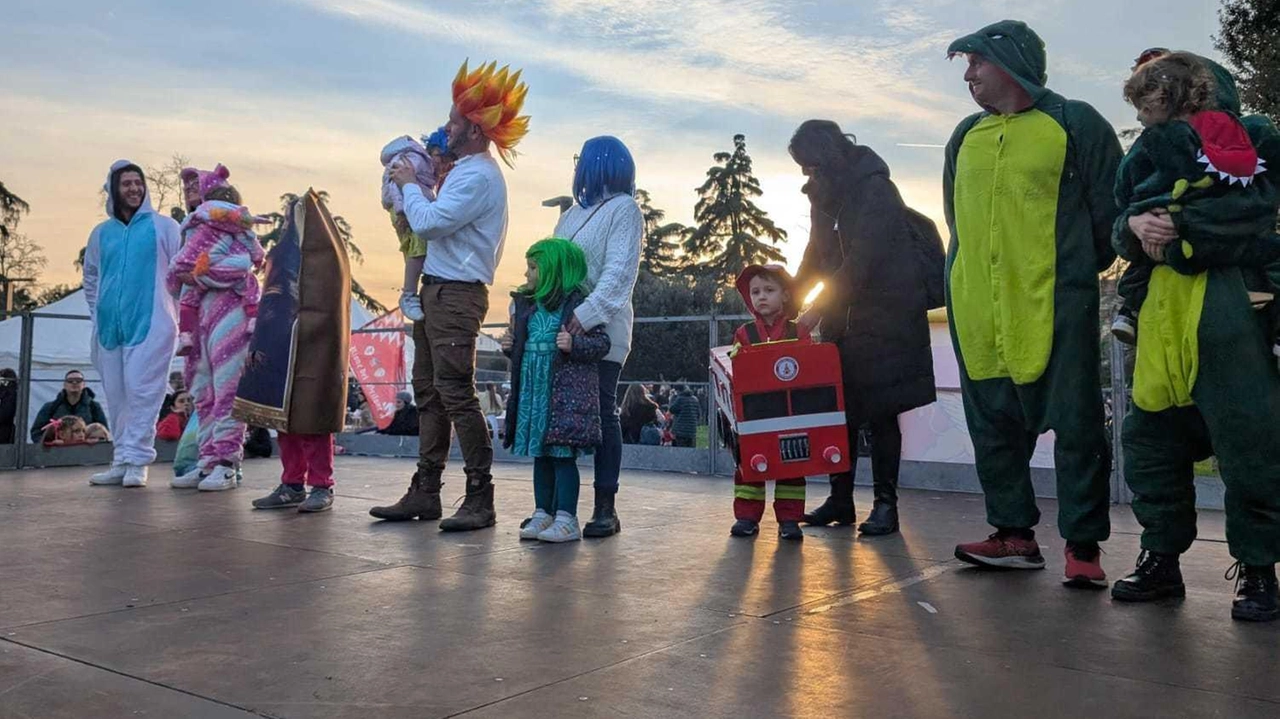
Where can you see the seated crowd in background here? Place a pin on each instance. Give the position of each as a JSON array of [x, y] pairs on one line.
[[174, 422], [74, 400]]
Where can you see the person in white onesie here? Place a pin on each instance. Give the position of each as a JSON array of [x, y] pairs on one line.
[[135, 319]]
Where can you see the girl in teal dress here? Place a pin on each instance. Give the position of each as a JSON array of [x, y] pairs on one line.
[[554, 401]]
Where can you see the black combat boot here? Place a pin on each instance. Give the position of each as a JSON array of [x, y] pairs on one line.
[[1157, 576], [1257, 594]]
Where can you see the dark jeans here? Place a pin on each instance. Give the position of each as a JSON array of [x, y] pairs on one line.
[[1133, 284], [608, 457], [444, 380]]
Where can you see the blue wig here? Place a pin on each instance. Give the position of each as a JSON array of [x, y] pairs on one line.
[[604, 168], [438, 141]]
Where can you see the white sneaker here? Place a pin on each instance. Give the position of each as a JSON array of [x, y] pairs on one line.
[[190, 480], [411, 306], [135, 476], [220, 479], [115, 475], [564, 529], [538, 522]]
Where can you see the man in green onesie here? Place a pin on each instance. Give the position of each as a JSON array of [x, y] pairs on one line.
[[1027, 189], [1205, 380]]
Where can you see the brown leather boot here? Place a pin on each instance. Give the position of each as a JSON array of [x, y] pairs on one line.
[[422, 501], [476, 511]]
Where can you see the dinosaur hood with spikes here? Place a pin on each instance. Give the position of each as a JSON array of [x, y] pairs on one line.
[[492, 99]]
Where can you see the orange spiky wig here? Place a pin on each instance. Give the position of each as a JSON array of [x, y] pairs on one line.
[[492, 99]]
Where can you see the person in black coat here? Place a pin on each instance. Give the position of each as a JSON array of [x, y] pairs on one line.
[[8, 405], [405, 421], [874, 304]]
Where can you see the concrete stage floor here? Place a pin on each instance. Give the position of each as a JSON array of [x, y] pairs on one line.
[[165, 603]]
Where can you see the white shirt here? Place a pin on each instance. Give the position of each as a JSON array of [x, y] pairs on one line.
[[466, 226], [610, 238]]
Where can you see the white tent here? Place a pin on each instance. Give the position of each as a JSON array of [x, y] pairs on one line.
[[58, 346]]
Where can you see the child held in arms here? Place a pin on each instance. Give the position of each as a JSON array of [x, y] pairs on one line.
[[1193, 160], [430, 163]]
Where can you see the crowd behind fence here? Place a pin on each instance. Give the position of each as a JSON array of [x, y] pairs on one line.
[[656, 351]]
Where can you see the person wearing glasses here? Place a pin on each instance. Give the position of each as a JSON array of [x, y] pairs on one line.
[[76, 400]]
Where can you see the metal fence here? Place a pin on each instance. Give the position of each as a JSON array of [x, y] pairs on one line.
[[20, 454]]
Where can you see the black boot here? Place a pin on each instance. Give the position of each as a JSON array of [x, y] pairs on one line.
[[604, 521], [1257, 593], [884, 513], [1157, 576], [422, 501], [838, 508], [476, 511]]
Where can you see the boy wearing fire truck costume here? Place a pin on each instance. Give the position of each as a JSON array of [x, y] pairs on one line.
[[767, 291]]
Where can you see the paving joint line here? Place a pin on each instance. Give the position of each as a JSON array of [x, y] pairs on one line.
[[84, 662]]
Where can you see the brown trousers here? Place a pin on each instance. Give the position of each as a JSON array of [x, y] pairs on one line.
[[444, 380]]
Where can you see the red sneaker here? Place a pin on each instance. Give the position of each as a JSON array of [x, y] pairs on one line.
[[1084, 566], [1003, 550]]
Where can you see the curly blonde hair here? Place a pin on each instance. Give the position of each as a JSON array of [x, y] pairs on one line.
[[1176, 84]]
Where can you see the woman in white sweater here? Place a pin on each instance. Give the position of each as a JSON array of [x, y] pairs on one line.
[[606, 223]]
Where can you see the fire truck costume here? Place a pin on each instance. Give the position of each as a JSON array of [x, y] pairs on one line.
[[1028, 200], [788, 494]]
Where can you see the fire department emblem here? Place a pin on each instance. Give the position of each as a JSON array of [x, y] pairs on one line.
[[786, 369]]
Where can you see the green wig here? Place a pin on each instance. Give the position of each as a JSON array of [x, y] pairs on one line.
[[562, 268]]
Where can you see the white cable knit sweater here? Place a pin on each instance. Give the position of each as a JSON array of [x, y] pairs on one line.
[[611, 241]]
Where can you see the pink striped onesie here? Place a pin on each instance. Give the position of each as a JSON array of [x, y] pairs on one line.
[[214, 273]]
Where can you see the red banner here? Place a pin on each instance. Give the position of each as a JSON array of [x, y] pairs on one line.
[[377, 361]]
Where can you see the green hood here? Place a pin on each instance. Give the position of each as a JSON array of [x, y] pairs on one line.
[[1227, 97], [1015, 48]]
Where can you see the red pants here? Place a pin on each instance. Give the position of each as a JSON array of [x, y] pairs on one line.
[[748, 499], [307, 459]]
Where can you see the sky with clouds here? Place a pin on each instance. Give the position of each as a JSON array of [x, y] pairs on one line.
[[297, 93]]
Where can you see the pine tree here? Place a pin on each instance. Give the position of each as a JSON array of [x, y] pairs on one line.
[[661, 245], [731, 228], [12, 208], [1248, 41]]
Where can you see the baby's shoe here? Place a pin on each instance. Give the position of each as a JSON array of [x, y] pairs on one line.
[[1125, 328], [411, 306]]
